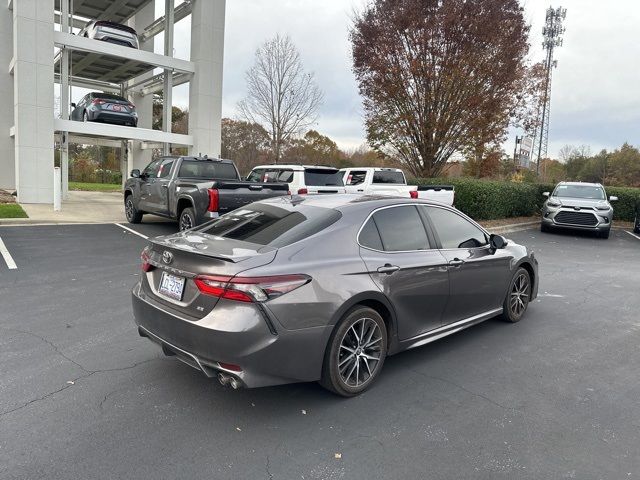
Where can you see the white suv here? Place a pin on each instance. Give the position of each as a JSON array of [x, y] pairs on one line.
[[302, 179]]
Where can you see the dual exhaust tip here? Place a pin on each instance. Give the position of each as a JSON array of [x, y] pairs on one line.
[[228, 380]]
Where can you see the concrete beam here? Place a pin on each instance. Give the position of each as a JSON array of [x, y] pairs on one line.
[[75, 42], [94, 129], [181, 11]]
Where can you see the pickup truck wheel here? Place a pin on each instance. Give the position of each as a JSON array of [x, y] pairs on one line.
[[130, 210], [187, 219], [636, 224]]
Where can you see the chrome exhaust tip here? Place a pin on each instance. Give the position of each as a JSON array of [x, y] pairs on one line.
[[224, 379], [235, 384]]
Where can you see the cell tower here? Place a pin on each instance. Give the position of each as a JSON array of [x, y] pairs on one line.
[[552, 33]]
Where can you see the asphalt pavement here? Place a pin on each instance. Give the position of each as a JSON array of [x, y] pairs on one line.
[[82, 396]]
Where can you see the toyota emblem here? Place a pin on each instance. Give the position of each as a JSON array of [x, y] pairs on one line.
[[167, 257]]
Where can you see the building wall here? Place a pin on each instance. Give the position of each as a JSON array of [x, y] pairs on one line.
[[205, 91], [33, 99], [7, 161]]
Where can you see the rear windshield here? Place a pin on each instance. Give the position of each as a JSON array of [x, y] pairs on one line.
[[270, 225], [207, 169], [109, 96], [580, 191], [323, 177], [386, 176]]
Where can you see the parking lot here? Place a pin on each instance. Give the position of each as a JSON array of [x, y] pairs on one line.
[[83, 396]]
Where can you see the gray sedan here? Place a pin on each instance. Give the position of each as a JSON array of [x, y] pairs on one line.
[[298, 289]]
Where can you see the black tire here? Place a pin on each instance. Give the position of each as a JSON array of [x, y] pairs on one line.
[[132, 213], [517, 299], [605, 233], [187, 219], [544, 228], [346, 352]]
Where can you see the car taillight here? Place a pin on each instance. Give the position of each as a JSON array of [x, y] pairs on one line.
[[98, 101], [249, 289], [145, 258], [413, 194], [302, 191], [214, 200]]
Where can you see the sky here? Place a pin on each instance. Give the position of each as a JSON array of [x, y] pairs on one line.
[[595, 90]]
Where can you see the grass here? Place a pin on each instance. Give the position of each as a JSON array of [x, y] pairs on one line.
[[95, 187], [12, 210]]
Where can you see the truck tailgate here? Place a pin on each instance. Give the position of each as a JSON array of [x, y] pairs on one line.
[[235, 194]]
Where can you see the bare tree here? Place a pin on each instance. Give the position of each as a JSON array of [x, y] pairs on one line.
[[281, 95]]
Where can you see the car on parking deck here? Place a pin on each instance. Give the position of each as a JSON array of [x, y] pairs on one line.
[[106, 108], [308, 288], [578, 205], [110, 32]]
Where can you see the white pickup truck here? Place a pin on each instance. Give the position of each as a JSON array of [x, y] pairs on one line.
[[392, 181]]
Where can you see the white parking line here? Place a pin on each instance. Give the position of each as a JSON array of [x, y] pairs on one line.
[[133, 231], [552, 295], [633, 234], [7, 256]]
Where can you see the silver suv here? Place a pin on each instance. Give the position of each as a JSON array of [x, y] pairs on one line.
[[111, 32], [578, 205]]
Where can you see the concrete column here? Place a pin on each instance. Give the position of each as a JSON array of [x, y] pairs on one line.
[[7, 147], [205, 90], [138, 158], [33, 100]]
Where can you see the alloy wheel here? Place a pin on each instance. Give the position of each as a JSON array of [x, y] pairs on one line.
[[185, 222], [129, 209], [519, 295], [360, 352]]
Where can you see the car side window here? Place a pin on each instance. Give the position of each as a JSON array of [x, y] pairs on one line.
[[454, 230], [255, 175], [369, 236], [165, 168], [401, 229], [356, 177], [285, 176], [152, 169], [271, 176]]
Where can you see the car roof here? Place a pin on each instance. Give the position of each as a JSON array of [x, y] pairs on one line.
[[587, 184], [375, 169], [346, 201], [294, 166]]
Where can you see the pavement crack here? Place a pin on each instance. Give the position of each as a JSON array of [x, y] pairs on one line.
[[267, 468], [44, 397], [55, 348], [465, 389]]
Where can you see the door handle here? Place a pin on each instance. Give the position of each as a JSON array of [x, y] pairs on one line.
[[456, 262], [388, 269]]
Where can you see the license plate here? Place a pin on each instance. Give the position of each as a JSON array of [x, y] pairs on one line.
[[171, 286]]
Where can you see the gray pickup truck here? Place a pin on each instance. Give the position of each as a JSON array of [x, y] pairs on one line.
[[191, 190]]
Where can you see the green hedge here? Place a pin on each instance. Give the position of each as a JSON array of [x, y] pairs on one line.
[[489, 200]]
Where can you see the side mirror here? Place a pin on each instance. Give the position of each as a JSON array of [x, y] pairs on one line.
[[546, 194], [613, 198], [497, 242], [73, 105], [135, 173]]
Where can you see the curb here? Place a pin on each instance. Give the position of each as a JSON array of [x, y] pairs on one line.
[[515, 227], [25, 222]]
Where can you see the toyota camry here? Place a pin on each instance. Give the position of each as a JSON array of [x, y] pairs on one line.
[[324, 288]]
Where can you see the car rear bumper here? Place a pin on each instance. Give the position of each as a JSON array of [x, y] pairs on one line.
[[118, 118], [237, 334]]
